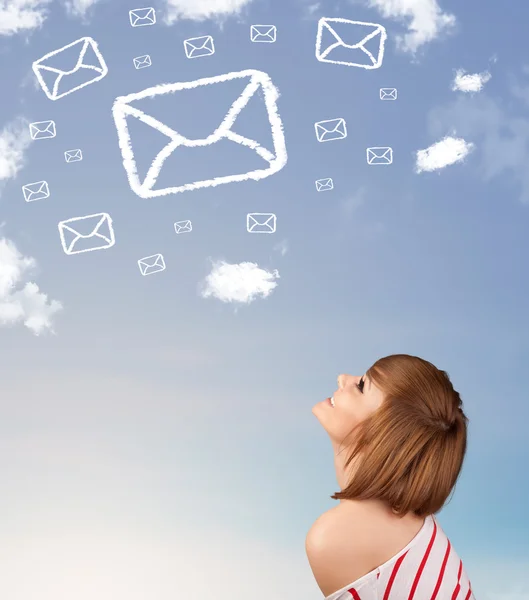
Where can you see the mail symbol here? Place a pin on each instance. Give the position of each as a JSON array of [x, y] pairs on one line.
[[73, 155], [261, 222], [380, 156], [183, 226], [139, 17], [324, 185], [271, 151], [351, 43], [388, 93], [263, 33], [36, 191], [84, 234], [42, 130], [333, 129], [70, 68], [151, 264], [141, 62], [199, 46]]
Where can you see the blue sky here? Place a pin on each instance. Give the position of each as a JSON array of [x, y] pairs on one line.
[[154, 441]]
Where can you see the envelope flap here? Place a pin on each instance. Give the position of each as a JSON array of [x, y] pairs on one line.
[[143, 13], [88, 226], [64, 60], [352, 34], [264, 29], [152, 261], [199, 43]]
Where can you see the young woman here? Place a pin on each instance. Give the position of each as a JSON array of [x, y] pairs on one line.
[[399, 436]]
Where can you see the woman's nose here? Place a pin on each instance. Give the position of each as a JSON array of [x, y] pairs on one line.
[[345, 380]]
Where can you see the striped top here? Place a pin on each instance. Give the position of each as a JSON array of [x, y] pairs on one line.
[[426, 569]]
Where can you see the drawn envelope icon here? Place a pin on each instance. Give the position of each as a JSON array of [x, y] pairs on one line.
[[151, 264], [351, 43], [84, 234], [36, 191], [261, 222], [42, 130], [183, 226], [199, 46], [323, 185], [263, 33], [70, 68], [382, 155], [388, 93], [73, 155], [333, 129], [272, 152], [139, 17], [141, 62]]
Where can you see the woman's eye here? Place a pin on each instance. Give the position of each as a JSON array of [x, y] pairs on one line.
[[360, 385]]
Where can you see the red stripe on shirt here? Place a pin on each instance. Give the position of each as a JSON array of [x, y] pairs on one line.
[[458, 586], [354, 594], [423, 563], [469, 591], [393, 575], [441, 572]]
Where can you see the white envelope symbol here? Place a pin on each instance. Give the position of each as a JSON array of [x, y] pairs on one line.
[[42, 130], [257, 81], [333, 129], [199, 46], [322, 185], [36, 191], [351, 43], [151, 264], [84, 234], [182, 226], [140, 17], [86, 65], [388, 93], [382, 155], [261, 222], [263, 33], [140, 62], [73, 155]]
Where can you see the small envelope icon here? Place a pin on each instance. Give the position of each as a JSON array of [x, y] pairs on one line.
[[388, 93], [42, 130], [183, 226], [323, 185], [70, 68], [36, 191], [139, 17], [199, 46], [73, 155], [380, 156], [151, 264], [84, 234], [333, 129], [263, 33], [271, 152], [351, 43], [261, 222], [140, 62]]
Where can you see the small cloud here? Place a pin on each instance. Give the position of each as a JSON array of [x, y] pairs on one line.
[[447, 152], [14, 140], [201, 10], [282, 247], [27, 305], [354, 201], [466, 82], [426, 20], [79, 8], [241, 283], [17, 16]]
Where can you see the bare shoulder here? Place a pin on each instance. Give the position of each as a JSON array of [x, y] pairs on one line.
[[339, 547]]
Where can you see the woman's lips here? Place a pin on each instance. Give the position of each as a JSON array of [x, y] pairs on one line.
[[330, 402]]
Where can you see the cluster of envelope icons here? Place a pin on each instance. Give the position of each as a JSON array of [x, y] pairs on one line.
[[43, 130]]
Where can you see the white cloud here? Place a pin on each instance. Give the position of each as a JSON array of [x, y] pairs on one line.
[[200, 10], [17, 16], [28, 304], [466, 82], [282, 247], [14, 140], [354, 201], [79, 8], [426, 19], [448, 151], [241, 283]]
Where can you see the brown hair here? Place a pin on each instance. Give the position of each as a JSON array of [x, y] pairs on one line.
[[410, 451]]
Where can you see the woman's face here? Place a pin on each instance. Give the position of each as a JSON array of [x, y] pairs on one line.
[[355, 399]]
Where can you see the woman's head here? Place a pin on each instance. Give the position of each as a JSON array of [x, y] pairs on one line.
[[405, 432]]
